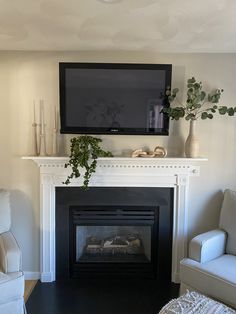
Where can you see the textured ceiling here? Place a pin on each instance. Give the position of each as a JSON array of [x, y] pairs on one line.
[[134, 25]]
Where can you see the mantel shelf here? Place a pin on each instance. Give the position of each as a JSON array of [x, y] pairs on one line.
[[118, 158]]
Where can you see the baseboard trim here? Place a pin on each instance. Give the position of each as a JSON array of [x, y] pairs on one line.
[[46, 277], [175, 278], [32, 275]]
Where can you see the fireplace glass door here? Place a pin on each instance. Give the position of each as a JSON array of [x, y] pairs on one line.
[[112, 244]]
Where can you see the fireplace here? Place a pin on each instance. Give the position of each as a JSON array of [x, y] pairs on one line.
[[174, 173], [114, 232]]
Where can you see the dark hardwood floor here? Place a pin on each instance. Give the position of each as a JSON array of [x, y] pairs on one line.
[[100, 297]]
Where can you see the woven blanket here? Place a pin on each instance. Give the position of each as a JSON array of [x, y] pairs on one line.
[[194, 302]]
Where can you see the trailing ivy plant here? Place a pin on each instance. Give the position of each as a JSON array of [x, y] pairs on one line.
[[198, 104], [84, 151]]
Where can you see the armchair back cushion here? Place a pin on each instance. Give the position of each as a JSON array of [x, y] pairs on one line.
[[5, 211], [228, 220]]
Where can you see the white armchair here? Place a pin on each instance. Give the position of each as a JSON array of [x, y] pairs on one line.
[[11, 276], [211, 266]]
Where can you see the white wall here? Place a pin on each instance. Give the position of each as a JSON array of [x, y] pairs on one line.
[[27, 76]]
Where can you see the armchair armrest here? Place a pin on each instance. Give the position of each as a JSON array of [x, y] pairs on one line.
[[10, 254], [207, 246]]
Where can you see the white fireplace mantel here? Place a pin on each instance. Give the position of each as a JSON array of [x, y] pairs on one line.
[[117, 171]]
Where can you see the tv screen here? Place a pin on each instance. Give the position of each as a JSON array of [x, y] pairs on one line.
[[115, 98]]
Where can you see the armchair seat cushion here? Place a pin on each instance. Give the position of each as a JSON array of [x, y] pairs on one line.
[[216, 278], [11, 287]]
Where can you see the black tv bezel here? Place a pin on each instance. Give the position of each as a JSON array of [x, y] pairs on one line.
[[94, 130]]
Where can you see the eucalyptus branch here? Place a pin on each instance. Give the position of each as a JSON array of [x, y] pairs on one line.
[[206, 109], [202, 105], [193, 109]]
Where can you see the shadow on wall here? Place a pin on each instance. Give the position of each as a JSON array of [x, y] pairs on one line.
[[24, 228], [175, 146], [210, 212]]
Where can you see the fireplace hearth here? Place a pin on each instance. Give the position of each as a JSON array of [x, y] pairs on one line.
[[114, 233]]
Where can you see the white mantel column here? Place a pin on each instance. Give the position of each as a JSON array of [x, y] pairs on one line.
[[47, 228], [180, 224]]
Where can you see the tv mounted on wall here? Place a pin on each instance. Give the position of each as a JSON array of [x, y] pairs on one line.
[[114, 98]]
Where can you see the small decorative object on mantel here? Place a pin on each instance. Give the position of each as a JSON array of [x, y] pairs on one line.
[[199, 104], [138, 153], [84, 151], [159, 152], [39, 145], [35, 134], [42, 136], [54, 133]]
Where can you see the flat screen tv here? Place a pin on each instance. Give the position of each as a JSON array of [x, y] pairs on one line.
[[114, 98]]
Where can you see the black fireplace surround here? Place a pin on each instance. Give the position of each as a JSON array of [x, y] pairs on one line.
[[114, 232]]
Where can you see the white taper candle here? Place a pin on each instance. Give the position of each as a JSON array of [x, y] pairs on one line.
[[55, 117], [35, 137], [34, 112], [41, 117]]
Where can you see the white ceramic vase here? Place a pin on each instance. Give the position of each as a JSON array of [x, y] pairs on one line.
[[192, 142]]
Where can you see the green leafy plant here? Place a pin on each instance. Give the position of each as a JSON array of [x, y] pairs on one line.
[[199, 104], [84, 151]]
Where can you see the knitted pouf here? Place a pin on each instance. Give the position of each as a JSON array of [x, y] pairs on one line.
[[194, 302]]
